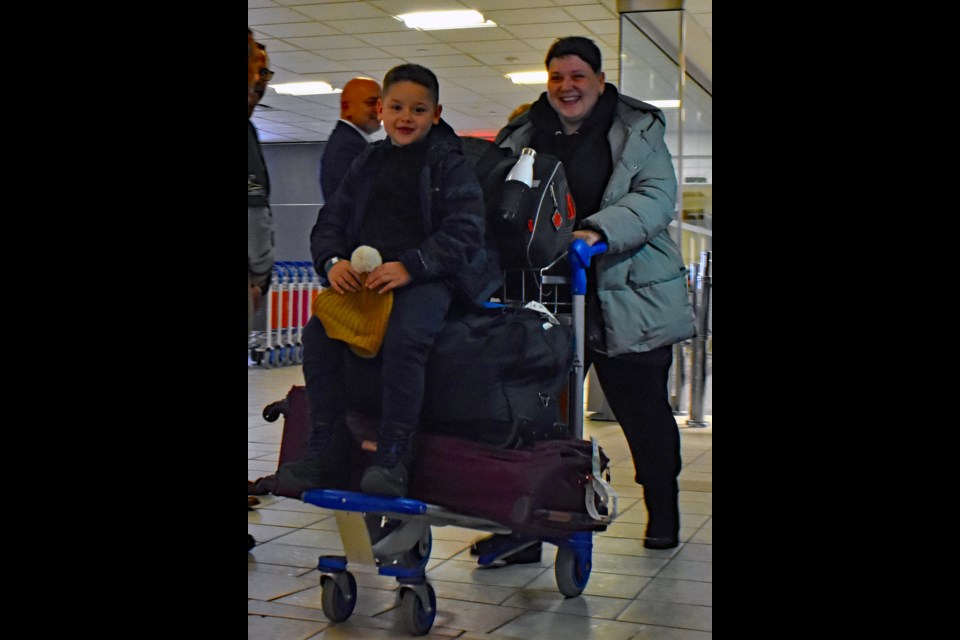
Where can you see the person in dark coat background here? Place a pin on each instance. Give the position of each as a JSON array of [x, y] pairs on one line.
[[359, 119]]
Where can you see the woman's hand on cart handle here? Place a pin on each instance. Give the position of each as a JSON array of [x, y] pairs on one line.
[[579, 255], [589, 236], [583, 248]]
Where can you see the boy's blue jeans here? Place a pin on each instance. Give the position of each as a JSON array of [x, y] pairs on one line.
[[417, 317]]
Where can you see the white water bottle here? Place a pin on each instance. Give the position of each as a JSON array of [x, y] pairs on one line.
[[515, 200], [523, 170]]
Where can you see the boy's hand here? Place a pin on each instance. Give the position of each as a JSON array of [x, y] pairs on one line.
[[343, 278], [389, 275]]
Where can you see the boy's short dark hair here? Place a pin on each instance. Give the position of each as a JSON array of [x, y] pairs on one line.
[[413, 73], [585, 48]]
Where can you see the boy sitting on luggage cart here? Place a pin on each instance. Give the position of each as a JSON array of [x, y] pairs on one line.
[[414, 198]]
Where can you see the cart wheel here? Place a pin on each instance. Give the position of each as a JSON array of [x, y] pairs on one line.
[[281, 356], [571, 572], [267, 360], [297, 353], [418, 618], [339, 596]]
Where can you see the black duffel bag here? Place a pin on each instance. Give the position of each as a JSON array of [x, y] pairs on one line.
[[492, 377]]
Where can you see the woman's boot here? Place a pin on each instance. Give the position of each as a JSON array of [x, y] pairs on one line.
[[663, 514]]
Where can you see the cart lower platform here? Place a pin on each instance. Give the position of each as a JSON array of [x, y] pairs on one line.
[[393, 535]]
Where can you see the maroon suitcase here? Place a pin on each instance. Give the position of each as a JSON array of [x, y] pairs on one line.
[[539, 489], [296, 423]]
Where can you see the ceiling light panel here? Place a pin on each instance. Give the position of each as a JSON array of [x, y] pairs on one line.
[[437, 20]]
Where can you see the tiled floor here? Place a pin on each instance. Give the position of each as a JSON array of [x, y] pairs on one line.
[[632, 594]]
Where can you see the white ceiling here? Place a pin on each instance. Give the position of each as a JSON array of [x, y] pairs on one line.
[[333, 41]]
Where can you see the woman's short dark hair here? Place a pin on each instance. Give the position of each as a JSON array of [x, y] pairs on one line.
[[585, 48], [414, 73]]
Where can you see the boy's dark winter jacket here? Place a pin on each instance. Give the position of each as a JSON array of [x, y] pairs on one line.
[[451, 199]]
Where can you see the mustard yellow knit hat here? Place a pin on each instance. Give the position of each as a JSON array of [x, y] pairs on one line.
[[358, 318]]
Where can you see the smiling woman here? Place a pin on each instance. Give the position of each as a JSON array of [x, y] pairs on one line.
[[631, 322]]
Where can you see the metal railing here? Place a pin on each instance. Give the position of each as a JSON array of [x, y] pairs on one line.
[[701, 305], [700, 281]]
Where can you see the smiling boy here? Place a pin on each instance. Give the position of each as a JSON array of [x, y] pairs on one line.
[[415, 199]]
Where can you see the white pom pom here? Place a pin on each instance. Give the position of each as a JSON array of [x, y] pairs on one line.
[[365, 259]]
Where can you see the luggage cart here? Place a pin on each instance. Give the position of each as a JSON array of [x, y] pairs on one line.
[[308, 288], [289, 304], [264, 353], [275, 348], [393, 535]]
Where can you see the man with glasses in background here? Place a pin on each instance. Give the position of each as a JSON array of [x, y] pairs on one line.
[[259, 217]]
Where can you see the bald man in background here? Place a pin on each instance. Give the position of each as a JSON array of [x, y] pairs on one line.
[[358, 121]]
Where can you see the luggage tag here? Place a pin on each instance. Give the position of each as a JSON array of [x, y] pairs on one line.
[[542, 310]]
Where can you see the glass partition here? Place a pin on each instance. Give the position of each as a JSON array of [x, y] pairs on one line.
[[666, 59]]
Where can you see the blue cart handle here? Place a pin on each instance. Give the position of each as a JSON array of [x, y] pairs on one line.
[[579, 255]]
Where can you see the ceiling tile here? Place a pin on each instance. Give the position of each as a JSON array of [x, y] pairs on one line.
[[463, 35], [359, 53], [525, 31], [304, 62], [326, 42], [440, 62], [492, 5], [521, 58], [396, 7], [293, 30], [590, 12], [408, 50], [602, 27], [409, 36], [545, 17], [368, 25], [699, 6], [466, 75], [274, 44], [341, 11], [306, 2], [258, 17], [493, 46]]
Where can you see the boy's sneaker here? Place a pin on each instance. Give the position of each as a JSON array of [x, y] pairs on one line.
[[382, 481], [390, 471]]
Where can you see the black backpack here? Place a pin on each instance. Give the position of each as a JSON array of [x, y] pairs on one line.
[[540, 225]]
